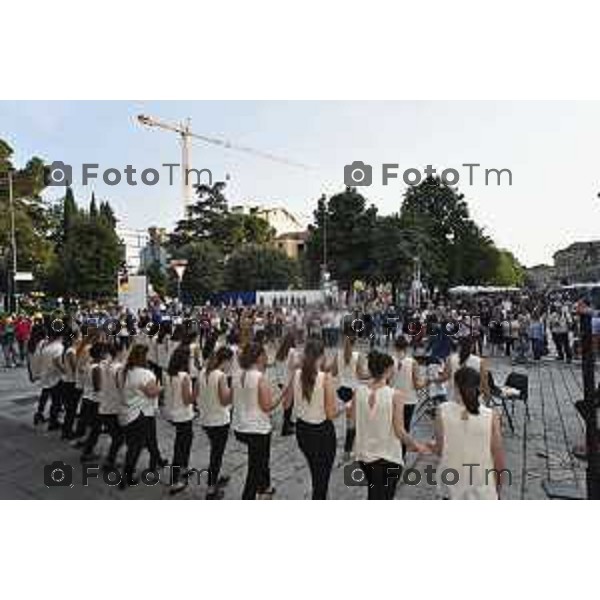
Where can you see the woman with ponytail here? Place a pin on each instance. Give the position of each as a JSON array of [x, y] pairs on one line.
[[311, 391], [348, 369], [466, 357], [469, 440]]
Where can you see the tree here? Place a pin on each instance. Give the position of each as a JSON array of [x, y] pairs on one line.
[[343, 226], [458, 251], [204, 273], [508, 270], [254, 267], [210, 219], [93, 207], [157, 278], [34, 249]]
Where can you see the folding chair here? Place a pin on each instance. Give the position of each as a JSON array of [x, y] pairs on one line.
[[520, 382], [498, 394]]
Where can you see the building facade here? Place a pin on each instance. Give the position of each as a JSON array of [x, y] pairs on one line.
[[134, 240], [578, 263]]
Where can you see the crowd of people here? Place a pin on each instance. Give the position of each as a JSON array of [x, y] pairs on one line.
[[230, 370]]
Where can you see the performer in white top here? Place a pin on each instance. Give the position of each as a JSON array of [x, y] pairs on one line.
[[465, 357], [349, 369], [180, 397], [215, 415], [252, 403], [378, 411], [287, 360], [406, 379], [469, 440], [51, 375], [140, 391], [312, 392]]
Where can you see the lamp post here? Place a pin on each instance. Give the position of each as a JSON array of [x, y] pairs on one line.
[[589, 406], [13, 242], [179, 267]]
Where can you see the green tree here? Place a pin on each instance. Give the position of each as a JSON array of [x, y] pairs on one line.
[[341, 235], [157, 278], [34, 249], [204, 273], [210, 219], [254, 267]]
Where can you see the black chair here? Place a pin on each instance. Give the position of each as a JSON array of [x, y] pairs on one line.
[[496, 393], [519, 381]]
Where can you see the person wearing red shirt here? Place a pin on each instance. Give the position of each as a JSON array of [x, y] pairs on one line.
[[22, 333]]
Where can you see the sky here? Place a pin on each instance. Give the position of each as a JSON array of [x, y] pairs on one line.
[[551, 148]]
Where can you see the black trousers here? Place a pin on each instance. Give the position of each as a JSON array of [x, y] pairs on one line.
[[409, 409], [95, 429], [44, 397], [258, 476], [135, 438], [563, 348], [184, 435], [56, 402], [152, 442], [84, 422], [117, 437], [345, 393], [318, 444], [72, 395], [382, 476], [217, 436]]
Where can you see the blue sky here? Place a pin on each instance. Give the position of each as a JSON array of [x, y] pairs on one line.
[[550, 147]]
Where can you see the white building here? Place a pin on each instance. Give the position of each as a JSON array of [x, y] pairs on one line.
[[133, 240]]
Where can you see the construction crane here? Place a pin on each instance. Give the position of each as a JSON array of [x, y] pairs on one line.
[[186, 134]]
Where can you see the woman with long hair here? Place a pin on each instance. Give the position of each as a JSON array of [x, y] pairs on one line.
[[312, 392], [71, 397], [378, 412], [214, 405], [287, 360], [252, 404], [180, 397], [406, 379], [348, 369], [140, 394], [465, 357], [469, 440]]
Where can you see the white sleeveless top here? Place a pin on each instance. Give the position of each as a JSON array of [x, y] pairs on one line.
[[111, 396], [468, 441], [195, 360], [375, 435], [70, 372], [314, 411], [403, 379], [212, 412], [88, 383], [348, 373], [248, 416], [473, 362], [176, 409]]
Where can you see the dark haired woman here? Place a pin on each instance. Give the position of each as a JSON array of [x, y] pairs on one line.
[[349, 369], [140, 393], [312, 392], [469, 440], [287, 360], [378, 411], [180, 397], [465, 357], [215, 414], [252, 404]]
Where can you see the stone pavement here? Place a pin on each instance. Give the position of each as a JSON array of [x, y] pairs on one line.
[[539, 450]]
